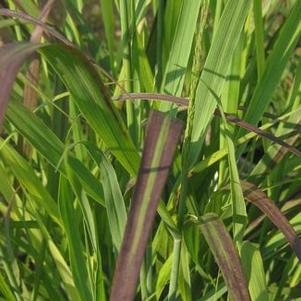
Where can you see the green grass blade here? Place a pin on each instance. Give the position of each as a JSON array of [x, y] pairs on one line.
[[50, 146], [28, 179], [84, 204], [76, 251], [259, 37], [277, 240], [275, 66], [238, 204], [114, 201], [216, 66], [82, 80], [172, 12], [108, 20], [141, 63], [60, 263], [177, 64], [5, 290], [218, 155], [163, 277], [253, 268], [214, 294]]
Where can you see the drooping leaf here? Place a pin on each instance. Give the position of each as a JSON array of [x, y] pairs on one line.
[[226, 256], [89, 94], [160, 143], [11, 58], [183, 102], [220, 154], [257, 197], [24, 16], [30, 95]]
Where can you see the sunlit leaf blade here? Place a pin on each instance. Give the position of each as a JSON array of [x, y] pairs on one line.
[[238, 205], [89, 94], [216, 66], [5, 289], [219, 155], [226, 256], [163, 277], [28, 179], [114, 201], [160, 143], [50, 146], [176, 67], [257, 197], [254, 271], [275, 154], [275, 65], [141, 60], [239, 211], [35, 131], [11, 59]]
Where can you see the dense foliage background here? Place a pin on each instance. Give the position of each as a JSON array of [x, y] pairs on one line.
[[150, 150]]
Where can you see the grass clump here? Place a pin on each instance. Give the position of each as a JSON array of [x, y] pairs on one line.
[[150, 150]]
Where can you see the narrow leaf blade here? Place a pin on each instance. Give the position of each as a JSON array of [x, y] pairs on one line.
[[216, 66], [257, 197], [84, 84], [160, 143], [225, 256]]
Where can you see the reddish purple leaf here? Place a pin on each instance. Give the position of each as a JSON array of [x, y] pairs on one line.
[[226, 256], [11, 58], [257, 197], [161, 139]]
